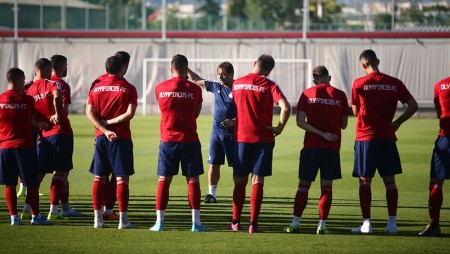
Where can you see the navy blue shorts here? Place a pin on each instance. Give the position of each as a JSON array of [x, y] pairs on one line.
[[381, 154], [55, 153], [253, 158], [15, 162], [219, 146], [440, 160], [171, 154], [311, 159], [113, 157]]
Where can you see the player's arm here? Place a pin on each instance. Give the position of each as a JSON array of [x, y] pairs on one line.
[[127, 116], [301, 122], [355, 110], [57, 103], [40, 125], [410, 110], [91, 114], [344, 121], [196, 78], [285, 113], [437, 108], [198, 109]]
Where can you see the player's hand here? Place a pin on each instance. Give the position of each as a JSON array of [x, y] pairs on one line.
[[227, 123], [105, 122], [276, 130], [330, 136], [54, 119], [111, 136], [43, 126]]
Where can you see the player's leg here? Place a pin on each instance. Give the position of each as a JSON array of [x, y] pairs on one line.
[[123, 196], [213, 180], [55, 195], [98, 191], [162, 199], [326, 198], [110, 200], [300, 202], [439, 171], [216, 159], [168, 166], [240, 184], [263, 154], [392, 203], [27, 211], [66, 210]]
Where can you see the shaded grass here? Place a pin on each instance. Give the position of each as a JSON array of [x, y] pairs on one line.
[[416, 140]]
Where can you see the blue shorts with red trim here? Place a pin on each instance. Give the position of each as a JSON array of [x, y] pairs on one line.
[[311, 159], [440, 160], [55, 153], [220, 146], [15, 162], [113, 157], [381, 154], [255, 158], [171, 154]]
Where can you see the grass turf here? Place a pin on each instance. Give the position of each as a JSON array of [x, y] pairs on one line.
[[77, 235]]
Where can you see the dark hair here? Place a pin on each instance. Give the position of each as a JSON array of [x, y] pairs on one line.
[[124, 56], [14, 74], [266, 62], [227, 66], [179, 62], [57, 61], [369, 58], [320, 72], [113, 65], [42, 63]]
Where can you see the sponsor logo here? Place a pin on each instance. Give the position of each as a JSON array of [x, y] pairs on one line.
[[445, 86], [331, 102], [41, 96], [110, 89], [13, 106], [377, 87], [176, 95], [249, 87]]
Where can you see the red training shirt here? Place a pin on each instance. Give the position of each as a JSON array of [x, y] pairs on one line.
[[442, 97], [178, 99], [16, 110], [324, 106], [254, 96], [111, 98], [377, 95], [42, 92]]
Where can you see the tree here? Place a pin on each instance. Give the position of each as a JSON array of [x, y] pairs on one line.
[[210, 7]]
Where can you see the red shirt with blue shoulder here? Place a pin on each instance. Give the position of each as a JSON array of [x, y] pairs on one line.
[[442, 97]]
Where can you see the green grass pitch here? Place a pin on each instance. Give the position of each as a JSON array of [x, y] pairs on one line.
[[77, 235]]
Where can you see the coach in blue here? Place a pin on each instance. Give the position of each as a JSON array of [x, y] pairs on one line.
[[222, 139]]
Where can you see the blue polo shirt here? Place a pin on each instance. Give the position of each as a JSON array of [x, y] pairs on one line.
[[224, 107]]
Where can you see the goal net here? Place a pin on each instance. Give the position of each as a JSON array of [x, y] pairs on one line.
[[292, 75]]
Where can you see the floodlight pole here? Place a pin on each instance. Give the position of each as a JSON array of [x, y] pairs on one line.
[[305, 19], [393, 16], [16, 33], [163, 23]]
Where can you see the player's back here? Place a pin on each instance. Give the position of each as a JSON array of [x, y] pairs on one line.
[[442, 96], [178, 100], [42, 92], [15, 119]]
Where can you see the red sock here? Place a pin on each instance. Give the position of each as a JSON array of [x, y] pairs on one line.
[[98, 191], [33, 198], [65, 193], [326, 198], [301, 200], [392, 198], [111, 196], [238, 200], [365, 198], [11, 199], [256, 199], [20, 180], [162, 194], [123, 195], [56, 188], [435, 201], [194, 193]]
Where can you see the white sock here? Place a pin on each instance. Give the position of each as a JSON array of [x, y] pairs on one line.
[[26, 208], [160, 215], [196, 216], [123, 217], [296, 220], [366, 222], [322, 223], [213, 190], [109, 211], [53, 209], [21, 185], [103, 209], [392, 220], [98, 215]]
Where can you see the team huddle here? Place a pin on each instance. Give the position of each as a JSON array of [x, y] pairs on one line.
[[36, 138]]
